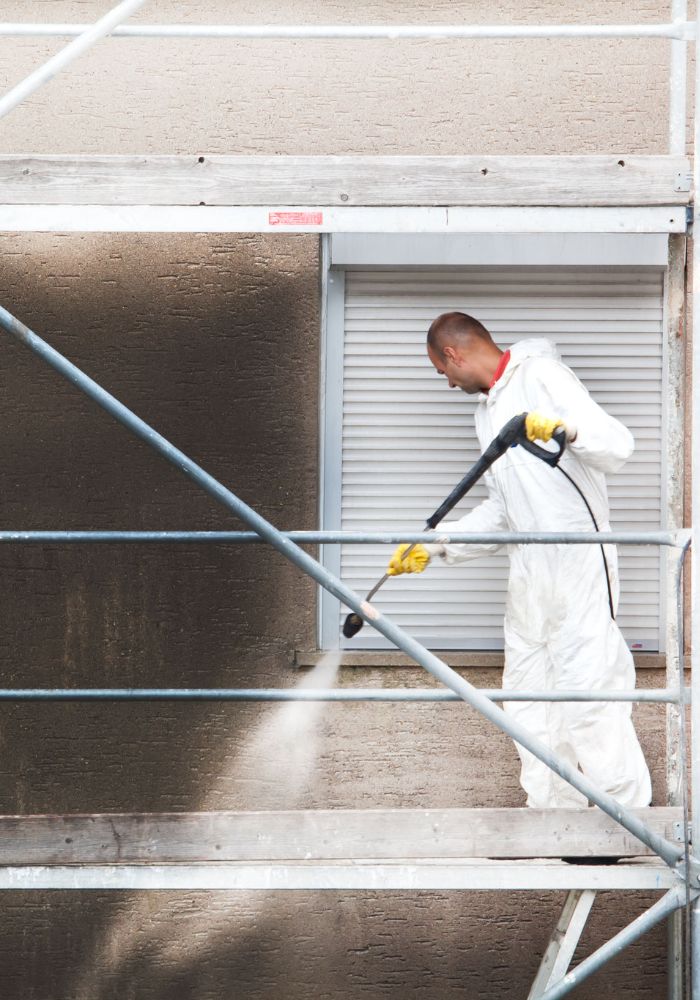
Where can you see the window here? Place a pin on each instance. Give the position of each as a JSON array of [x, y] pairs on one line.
[[402, 439]]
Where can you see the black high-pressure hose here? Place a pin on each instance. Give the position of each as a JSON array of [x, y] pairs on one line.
[[602, 547]]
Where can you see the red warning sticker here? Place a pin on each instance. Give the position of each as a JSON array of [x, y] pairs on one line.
[[295, 218]]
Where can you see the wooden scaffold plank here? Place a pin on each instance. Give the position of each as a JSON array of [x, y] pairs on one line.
[[345, 181], [325, 835]]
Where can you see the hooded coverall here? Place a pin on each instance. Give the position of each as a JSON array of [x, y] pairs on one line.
[[559, 632]]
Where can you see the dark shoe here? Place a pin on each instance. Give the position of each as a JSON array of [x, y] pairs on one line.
[[592, 861]]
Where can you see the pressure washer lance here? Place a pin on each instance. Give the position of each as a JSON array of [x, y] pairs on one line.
[[511, 434]]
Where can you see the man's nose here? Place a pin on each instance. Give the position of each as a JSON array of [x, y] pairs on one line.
[[450, 383]]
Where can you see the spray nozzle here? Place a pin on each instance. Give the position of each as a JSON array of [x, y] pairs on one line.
[[352, 625]]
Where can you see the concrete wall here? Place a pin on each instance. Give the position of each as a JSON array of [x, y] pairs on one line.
[[215, 341]]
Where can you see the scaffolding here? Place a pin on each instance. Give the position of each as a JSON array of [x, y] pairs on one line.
[[407, 849]]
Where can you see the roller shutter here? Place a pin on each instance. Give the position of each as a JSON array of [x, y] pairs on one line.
[[407, 439]]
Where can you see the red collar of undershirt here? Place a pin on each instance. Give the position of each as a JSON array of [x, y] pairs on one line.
[[502, 365]]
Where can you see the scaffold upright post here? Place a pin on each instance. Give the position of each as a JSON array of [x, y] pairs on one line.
[[694, 944], [678, 83]]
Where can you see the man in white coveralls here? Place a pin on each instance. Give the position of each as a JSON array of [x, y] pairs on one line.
[[560, 629]]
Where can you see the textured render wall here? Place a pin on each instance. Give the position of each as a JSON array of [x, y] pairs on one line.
[[179, 96], [215, 341]]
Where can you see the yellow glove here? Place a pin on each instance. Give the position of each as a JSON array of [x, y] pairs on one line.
[[418, 558], [539, 427]]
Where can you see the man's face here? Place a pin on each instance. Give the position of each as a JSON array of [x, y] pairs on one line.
[[457, 368]]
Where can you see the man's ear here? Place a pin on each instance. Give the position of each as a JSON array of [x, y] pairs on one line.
[[449, 353]]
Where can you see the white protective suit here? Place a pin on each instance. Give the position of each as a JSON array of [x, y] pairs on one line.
[[559, 632]]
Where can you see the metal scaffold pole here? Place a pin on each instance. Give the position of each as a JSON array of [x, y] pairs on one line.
[[391, 32], [654, 538], [296, 694], [695, 511], [678, 83], [675, 772]]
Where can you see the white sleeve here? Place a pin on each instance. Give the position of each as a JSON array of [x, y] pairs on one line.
[[490, 515], [601, 441]]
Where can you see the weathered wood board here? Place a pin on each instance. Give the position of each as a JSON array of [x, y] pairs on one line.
[[321, 835], [345, 180]]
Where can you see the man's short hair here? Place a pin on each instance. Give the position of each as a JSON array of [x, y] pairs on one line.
[[453, 326]]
